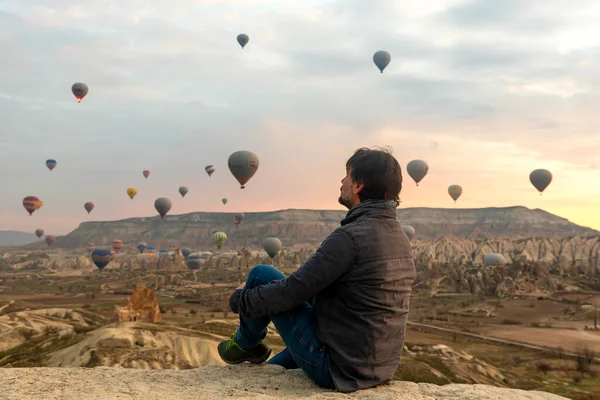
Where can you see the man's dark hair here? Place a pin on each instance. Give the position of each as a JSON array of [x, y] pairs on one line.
[[379, 171]]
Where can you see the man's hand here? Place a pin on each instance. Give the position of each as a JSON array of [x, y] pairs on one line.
[[243, 285]]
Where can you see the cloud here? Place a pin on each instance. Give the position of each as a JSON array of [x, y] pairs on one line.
[[484, 90], [504, 14]]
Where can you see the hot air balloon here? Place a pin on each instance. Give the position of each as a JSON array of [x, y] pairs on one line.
[[39, 233], [51, 164], [409, 230], [151, 250], [162, 205], [540, 179], [243, 165], [183, 190], [141, 246], [50, 239], [102, 257], [185, 252], [242, 39], [163, 252], [494, 259], [146, 173], [194, 261], [80, 90], [117, 245], [89, 206], [224, 200], [272, 246], [454, 191], [132, 192], [210, 169], [417, 169], [219, 238], [381, 59], [206, 255], [238, 218], [31, 203], [91, 246]]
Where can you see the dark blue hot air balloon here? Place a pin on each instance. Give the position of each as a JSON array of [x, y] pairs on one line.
[[102, 257], [150, 249], [243, 39], [51, 164]]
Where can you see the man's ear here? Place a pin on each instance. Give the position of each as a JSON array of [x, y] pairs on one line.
[[357, 187]]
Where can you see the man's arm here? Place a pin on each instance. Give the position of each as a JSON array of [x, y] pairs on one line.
[[331, 260]]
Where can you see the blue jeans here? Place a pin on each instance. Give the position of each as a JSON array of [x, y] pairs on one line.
[[296, 327]]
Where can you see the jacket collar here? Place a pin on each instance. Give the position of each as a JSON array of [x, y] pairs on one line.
[[382, 208]]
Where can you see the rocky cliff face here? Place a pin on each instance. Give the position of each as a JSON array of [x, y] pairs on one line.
[[310, 227]]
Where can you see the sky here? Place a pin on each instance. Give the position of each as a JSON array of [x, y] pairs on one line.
[[484, 91]]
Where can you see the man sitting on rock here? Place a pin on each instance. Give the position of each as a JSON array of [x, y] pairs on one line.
[[351, 335]]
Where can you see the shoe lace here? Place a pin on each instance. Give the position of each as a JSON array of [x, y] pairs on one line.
[[232, 342]]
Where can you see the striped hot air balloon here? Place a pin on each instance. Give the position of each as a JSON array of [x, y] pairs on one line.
[[219, 238], [31, 204], [102, 257], [117, 245]]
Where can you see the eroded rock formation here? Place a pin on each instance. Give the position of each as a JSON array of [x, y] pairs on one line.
[[566, 256], [141, 306], [499, 281], [166, 263]]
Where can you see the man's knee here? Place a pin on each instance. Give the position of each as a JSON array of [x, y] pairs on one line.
[[262, 274]]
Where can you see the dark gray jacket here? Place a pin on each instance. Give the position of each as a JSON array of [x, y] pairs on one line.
[[360, 281]]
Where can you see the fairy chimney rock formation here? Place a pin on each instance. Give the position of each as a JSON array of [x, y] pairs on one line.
[[141, 306]]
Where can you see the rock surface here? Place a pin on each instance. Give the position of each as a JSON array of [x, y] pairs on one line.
[[138, 345], [310, 227], [141, 306], [221, 383]]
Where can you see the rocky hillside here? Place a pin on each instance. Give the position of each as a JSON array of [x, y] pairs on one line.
[[220, 383], [16, 238], [578, 253], [310, 227]]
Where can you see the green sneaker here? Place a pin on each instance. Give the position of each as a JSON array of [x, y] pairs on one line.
[[231, 353]]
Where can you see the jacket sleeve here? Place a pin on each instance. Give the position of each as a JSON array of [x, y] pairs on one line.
[[334, 257]]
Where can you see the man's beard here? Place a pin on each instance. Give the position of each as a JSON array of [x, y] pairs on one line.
[[344, 202]]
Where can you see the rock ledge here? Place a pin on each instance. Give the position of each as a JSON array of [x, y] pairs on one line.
[[220, 383]]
